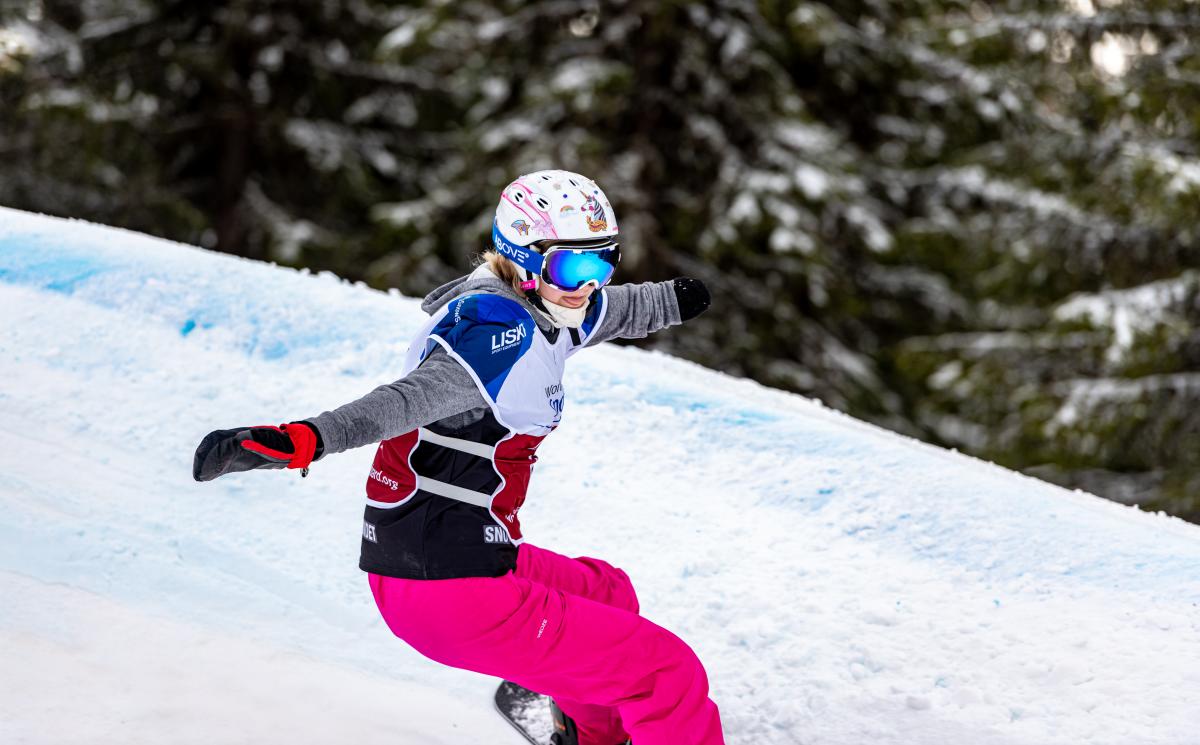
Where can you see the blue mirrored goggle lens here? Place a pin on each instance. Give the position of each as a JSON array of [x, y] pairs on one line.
[[569, 269]]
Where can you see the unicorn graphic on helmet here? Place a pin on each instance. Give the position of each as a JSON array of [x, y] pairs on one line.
[[597, 221]]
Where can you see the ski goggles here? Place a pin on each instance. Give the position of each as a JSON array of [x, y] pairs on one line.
[[564, 265], [570, 265]]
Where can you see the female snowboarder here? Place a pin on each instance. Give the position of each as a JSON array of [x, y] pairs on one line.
[[450, 569]]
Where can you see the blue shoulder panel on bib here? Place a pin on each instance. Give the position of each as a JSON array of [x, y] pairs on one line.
[[489, 333]]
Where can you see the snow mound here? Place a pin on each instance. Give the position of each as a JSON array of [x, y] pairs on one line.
[[841, 583]]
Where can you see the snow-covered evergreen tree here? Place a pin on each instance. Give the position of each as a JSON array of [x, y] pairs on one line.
[[972, 222]]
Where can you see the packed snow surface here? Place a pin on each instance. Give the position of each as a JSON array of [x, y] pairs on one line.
[[842, 584]]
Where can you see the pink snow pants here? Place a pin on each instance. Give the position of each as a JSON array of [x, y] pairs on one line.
[[568, 628]]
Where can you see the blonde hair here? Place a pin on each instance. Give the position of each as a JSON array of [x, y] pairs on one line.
[[504, 269]]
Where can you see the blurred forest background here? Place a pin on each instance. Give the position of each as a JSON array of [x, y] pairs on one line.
[[974, 223]]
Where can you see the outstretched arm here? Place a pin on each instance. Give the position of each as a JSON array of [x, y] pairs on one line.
[[635, 311], [439, 388]]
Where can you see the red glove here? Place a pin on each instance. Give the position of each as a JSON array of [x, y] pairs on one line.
[[225, 451]]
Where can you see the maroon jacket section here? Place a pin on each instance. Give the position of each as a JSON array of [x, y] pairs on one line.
[[514, 460]]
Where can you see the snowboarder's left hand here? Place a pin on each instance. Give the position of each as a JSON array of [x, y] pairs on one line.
[[245, 448], [693, 297]]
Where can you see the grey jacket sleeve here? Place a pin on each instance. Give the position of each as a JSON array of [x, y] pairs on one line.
[[439, 388], [635, 311]]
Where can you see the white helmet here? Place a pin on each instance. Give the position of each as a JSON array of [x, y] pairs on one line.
[[573, 218], [553, 205]]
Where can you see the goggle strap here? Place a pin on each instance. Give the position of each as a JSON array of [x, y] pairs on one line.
[[523, 256]]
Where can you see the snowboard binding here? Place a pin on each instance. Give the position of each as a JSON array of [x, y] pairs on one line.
[[565, 732], [525, 710]]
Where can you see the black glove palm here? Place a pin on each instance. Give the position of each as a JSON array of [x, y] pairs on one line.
[[246, 448]]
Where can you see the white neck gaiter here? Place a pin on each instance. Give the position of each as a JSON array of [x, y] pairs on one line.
[[561, 315]]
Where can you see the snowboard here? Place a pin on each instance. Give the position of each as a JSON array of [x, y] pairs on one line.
[[526, 711]]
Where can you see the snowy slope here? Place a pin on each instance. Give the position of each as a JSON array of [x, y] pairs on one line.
[[842, 584]]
